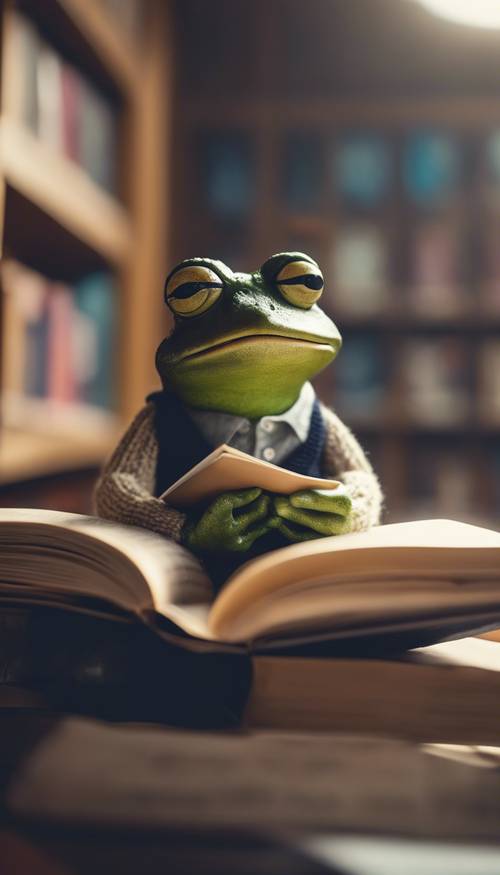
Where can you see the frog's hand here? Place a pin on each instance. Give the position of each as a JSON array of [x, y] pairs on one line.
[[313, 512], [225, 526]]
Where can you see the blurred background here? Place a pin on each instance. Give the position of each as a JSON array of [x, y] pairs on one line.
[[364, 132]]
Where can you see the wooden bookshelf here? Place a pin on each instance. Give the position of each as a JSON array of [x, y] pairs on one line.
[[57, 220], [273, 107], [64, 192]]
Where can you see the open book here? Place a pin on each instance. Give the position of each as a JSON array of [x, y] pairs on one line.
[[228, 469], [403, 584]]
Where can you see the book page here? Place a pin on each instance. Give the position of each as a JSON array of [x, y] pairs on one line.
[[62, 553], [432, 551], [227, 469]]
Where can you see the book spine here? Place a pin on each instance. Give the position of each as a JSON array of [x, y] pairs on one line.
[[60, 373], [96, 326]]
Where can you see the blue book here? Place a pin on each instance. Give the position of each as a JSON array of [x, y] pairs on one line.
[[431, 168], [36, 364], [362, 169], [492, 147], [302, 178], [360, 378], [228, 175], [96, 324]]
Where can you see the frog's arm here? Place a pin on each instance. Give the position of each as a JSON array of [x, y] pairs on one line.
[[344, 459], [125, 491]]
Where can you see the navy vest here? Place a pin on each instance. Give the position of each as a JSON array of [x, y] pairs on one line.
[[182, 445]]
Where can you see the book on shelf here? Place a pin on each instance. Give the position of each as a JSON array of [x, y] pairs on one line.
[[59, 338], [436, 285], [228, 174], [489, 381], [53, 99], [362, 169], [297, 637], [436, 380], [359, 268], [442, 482], [489, 289], [491, 168], [361, 390], [432, 168], [302, 185]]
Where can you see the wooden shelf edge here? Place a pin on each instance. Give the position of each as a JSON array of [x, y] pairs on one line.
[[28, 455], [64, 191], [114, 49], [458, 112]]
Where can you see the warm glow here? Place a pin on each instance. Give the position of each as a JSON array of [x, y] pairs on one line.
[[478, 13]]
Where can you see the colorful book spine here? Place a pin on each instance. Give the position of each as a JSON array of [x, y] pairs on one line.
[[360, 379], [436, 375], [61, 384], [61, 339], [65, 110], [96, 326]]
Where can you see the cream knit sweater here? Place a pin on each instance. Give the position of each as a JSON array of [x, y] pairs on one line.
[[125, 491]]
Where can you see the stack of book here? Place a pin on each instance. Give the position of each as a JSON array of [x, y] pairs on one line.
[[58, 338], [350, 633], [60, 105]]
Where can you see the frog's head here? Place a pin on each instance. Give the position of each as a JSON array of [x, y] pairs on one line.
[[245, 343]]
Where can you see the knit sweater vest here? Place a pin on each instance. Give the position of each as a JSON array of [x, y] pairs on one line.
[[182, 445]]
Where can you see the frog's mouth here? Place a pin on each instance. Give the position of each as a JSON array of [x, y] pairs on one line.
[[264, 340]]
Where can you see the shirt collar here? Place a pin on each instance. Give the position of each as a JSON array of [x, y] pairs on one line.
[[298, 416], [219, 428]]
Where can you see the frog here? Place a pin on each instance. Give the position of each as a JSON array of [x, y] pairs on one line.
[[240, 358]]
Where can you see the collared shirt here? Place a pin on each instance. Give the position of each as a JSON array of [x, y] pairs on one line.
[[272, 437]]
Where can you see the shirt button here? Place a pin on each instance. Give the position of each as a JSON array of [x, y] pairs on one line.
[[267, 425], [269, 454]]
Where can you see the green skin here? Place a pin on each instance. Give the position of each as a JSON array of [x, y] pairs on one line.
[[222, 360]]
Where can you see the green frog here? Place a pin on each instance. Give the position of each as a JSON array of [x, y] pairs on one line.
[[236, 369]]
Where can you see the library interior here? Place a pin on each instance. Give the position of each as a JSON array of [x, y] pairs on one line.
[[130, 140], [296, 720]]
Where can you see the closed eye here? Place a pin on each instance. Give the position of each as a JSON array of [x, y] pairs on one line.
[[310, 281], [186, 290]]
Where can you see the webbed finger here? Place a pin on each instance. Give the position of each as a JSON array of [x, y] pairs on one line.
[[258, 512], [245, 496], [290, 532], [322, 500], [319, 521]]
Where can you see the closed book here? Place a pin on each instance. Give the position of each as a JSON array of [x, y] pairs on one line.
[[60, 371], [20, 70], [97, 137], [70, 106], [96, 326], [49, 96]]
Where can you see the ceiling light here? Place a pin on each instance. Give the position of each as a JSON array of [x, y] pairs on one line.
[[477, 13]]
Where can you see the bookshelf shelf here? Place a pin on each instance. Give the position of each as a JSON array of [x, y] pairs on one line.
[[86, 30], [64, 191], [84, 96], [26, 454], [410, 281], [114, 49]]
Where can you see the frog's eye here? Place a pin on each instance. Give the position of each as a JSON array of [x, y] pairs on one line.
[[300, 283], [192, 290]]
